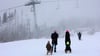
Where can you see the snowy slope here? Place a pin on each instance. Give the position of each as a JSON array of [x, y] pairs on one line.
[[88, 46]]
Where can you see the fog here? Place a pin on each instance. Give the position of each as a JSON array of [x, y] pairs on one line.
[[76, 15], [47, 12]]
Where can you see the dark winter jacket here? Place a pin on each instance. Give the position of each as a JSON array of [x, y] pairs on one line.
[[48, 46], [67, 38], [79, 34], [54, 37]]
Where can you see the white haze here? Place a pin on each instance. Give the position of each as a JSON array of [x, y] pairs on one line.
[[48, 14], [76, 15]]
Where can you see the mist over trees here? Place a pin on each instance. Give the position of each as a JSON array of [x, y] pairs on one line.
[[15, 30], [15, 26], [4, 17]]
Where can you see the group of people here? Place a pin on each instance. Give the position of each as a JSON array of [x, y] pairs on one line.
[[54, 37]]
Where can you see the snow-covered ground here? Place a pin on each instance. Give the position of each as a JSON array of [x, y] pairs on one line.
[[88, 46]]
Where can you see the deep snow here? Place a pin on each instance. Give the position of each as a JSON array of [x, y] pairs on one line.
[[88, 46]]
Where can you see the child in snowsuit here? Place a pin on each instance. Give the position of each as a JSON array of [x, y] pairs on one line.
[[49, 48]]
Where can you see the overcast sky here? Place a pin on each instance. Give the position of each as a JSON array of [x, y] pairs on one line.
[[48, 12]]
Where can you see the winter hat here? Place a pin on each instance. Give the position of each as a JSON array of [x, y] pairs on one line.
[[67, 30], [48, 41]]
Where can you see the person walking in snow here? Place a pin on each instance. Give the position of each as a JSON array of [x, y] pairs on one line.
[[54, 37], [67, 42], [79, 35]]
